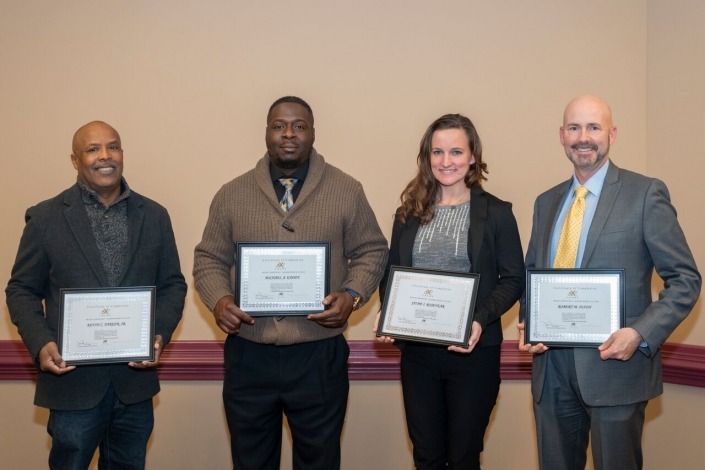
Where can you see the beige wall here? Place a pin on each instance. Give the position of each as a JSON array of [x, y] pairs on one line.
[[188, 84], [676, 100]]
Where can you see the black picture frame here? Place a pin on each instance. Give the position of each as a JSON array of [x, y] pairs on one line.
[[460, 296], [111, 340], [285, 296], [575, 329]]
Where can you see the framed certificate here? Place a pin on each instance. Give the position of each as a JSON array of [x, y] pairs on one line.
[[107, 325], [429, 306], [573, 307], [282, 278]]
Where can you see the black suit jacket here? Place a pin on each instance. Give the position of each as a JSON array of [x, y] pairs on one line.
[[495, 252], [58, 250]]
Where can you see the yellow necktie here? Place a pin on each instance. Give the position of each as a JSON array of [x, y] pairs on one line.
[[567, 250]]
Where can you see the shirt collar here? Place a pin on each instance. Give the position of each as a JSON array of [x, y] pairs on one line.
[[300, 173], [595, 183], [89, 197]]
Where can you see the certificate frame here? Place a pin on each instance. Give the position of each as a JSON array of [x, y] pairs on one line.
[[571, 294], [429, 292], [121, 320], [300, 272]]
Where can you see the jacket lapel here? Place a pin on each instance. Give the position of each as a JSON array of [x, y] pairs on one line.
[[80, 226], [316, 169], [610, 190], [264, 182], [135, 219], [553, 213], [406, 242], [478, 217]]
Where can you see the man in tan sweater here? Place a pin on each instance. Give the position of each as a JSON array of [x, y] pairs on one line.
[[296, 365]]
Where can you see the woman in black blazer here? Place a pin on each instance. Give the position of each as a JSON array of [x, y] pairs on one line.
[[447, 221]]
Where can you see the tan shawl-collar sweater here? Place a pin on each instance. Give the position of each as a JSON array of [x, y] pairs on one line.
[[331, 207]]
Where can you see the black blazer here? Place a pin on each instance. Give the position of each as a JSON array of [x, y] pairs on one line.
[[58, 250], [495, 252]]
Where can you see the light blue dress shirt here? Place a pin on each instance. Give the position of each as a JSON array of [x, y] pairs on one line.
[[594, 187]]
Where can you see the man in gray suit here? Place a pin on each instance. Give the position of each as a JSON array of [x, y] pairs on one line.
[[98, 233], [628, 222]]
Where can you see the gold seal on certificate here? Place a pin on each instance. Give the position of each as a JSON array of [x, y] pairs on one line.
[[107, 325], [429, 306], [282, 278], [573, 307]]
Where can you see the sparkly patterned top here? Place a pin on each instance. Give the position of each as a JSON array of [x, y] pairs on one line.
[[443, 243]]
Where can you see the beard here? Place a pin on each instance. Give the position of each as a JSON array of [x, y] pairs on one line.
[[587, 162], [288, 161], [288, 164]]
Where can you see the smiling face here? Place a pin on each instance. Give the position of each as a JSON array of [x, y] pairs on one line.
[[587, 134], [450, 158], [290, 136], [97, 156]]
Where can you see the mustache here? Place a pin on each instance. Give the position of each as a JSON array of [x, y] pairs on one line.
[[583, 145]]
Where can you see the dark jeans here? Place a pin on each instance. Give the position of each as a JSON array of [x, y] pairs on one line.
[[121, 431], [307, 382], [448, 399]]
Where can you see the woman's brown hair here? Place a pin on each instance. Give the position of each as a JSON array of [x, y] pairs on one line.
[[419, 195]]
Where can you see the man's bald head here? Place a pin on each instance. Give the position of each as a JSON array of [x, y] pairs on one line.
[[86, 130], [588, 104], [97, 156], [587, 134]]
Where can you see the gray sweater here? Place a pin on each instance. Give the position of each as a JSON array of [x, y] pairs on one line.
[[331, 207]]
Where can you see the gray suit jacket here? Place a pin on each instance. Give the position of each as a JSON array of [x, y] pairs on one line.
[[635, 228], [58, 250]]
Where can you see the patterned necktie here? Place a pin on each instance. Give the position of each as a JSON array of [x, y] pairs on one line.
[[567, 250], [288, 200]]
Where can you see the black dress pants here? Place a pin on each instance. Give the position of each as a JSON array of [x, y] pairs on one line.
[[307, 382], [448, 399]]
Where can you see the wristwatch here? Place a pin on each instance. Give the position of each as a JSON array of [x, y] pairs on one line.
[[356, 298]]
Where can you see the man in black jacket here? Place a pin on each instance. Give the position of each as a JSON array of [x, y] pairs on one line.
[[96, 234]]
